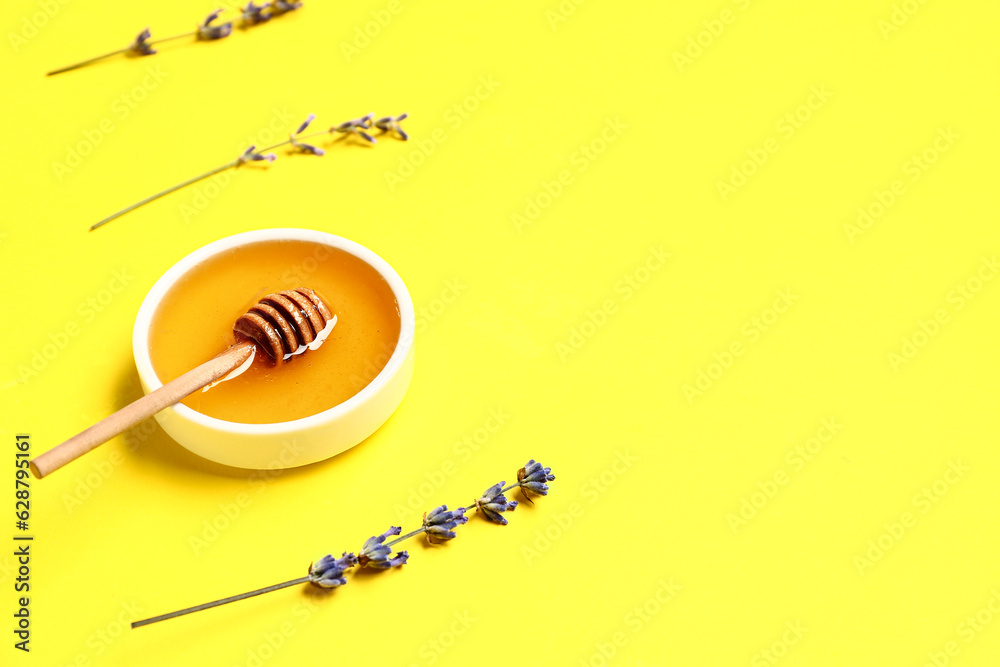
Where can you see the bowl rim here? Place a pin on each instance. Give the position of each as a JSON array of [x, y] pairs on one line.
[[153, 298]]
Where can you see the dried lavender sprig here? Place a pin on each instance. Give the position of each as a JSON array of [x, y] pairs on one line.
[[162, 193], [183, 184], [217, 603], [294, 139], [142, 45], [88, 61], [328, 571]]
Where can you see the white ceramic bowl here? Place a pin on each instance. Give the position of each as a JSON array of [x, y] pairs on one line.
[[292, 443]]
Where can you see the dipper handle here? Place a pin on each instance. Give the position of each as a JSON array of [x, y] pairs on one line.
[[145, 407]]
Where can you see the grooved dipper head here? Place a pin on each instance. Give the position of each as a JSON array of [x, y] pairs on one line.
[[284, 323]]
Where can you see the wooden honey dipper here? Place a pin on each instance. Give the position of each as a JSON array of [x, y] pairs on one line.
[[283, 325]]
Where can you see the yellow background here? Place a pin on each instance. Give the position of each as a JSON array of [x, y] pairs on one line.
[[649, 482]]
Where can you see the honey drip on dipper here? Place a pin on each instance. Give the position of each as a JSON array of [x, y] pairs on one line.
[[283, 325]]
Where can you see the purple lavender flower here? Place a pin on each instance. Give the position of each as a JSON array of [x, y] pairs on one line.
[[328, 572], [254, 14], [532, 477], [305, 124], [375, 554], [208, 32], [357, 127], [282, 7], [439, 522], [141, 44], [305, 148], [250, 155], [493, 503], [390, 124]]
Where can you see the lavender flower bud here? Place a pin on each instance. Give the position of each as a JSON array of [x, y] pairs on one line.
[[208, 32], [390, 124], [357, 127], [282, 7], [375, 554], [254, 14], [250, 155], [141, 46], [532, 477], [328, 572], [307, 148], [493, 503], [305, 124], [439, 522]]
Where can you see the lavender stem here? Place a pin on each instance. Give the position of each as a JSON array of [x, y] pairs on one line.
[[83, 63], [288, 141], [228, 165], [405, 537], [167, 39], [209, 605]]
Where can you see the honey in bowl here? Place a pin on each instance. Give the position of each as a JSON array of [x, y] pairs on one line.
[[194, 322]]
